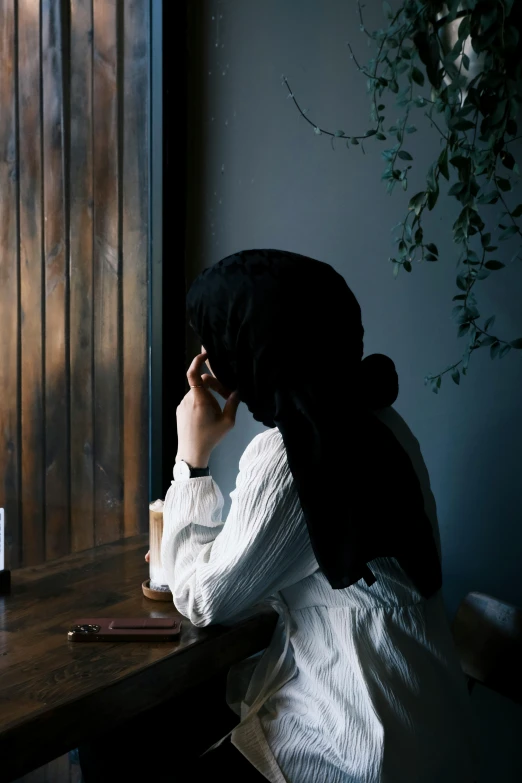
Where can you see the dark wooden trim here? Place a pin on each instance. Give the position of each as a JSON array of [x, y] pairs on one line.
[[175, 136], [156, 314]]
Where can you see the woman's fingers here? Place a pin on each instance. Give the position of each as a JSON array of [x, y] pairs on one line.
[[194, 371], [212, 383], [147, 556], [230, 407]]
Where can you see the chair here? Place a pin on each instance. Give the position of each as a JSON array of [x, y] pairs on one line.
[[488, 637]]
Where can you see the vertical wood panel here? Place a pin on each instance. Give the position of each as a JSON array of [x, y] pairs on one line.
[[9, 286], [56, 358], [135, 263], [108, 482], [31, 277], [74, 256], [81, 271]]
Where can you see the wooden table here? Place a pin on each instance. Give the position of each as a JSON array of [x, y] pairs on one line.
[[55, 694]]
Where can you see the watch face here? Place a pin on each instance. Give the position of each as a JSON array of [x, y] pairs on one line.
[[181, 471]]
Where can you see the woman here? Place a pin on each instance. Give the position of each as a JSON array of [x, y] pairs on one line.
[[329, 522]]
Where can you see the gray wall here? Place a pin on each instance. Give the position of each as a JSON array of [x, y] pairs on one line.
[[259, 177]]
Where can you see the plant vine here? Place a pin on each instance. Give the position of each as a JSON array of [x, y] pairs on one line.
[[476, 119]]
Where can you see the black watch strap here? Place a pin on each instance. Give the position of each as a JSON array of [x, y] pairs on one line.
[[198, 472]]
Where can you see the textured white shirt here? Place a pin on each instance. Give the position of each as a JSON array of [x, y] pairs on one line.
[[360, 685]]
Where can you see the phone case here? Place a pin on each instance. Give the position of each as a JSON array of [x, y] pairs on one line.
[[128, 629]]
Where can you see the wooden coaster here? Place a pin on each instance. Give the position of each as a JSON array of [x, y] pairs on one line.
[[155, 595]]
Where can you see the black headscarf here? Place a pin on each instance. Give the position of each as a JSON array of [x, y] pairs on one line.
[[286, 332]]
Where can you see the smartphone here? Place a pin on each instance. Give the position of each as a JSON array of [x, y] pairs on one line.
[[128, 629]]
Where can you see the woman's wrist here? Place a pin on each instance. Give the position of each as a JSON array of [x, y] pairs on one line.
[[196, 459]]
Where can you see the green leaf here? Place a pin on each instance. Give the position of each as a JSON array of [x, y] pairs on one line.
[[504, 184], [380, 136], [403, 155], [387, 9], [317, 131], [488, 198], [494, 265], [456, 189], [417, 76], [411, 129], [443, 163], [490, 321], [457, 311], [433, 196], [407, 266], [354, 141], [416, 202], [463, 329], [435, 386], [459, 297], [339, 133], [517, 343], [498, 114], [485, 239], [508, 232], [455, 374], [508, 160], [504, 350], [488, 340], [370, 132], [494, 349], [463, 125], [430, 257], [517, 212], [461, 283], [432, 248]]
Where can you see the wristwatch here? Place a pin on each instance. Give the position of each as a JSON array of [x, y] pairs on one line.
[[182, 470]]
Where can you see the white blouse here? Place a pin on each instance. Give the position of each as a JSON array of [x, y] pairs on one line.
[[360, 685]]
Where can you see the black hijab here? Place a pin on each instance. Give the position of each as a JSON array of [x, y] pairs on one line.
[[286, 332]]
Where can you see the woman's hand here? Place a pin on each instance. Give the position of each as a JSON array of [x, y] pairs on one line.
[[147, 556], [201, 422]]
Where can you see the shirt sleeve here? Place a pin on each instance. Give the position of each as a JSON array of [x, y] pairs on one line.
[[218, 569]]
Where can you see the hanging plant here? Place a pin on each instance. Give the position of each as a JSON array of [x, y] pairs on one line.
[[469, 53]]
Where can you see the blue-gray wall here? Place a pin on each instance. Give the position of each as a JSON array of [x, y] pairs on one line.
[[259, 177]]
